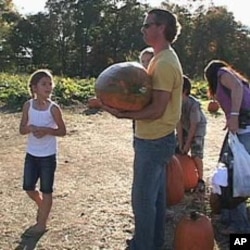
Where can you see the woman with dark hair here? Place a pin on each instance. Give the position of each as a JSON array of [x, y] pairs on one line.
[[232, 91]]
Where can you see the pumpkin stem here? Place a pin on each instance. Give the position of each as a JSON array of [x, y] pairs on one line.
[[194, 215]]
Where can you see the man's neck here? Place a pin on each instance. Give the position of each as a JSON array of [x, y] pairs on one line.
[[161, 46]]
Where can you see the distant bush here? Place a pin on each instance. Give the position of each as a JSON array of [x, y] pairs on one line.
[[67, 91], [199, 89]]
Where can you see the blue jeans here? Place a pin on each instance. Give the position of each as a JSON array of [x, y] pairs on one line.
[[39, 167], [237, 218], [149, 191]]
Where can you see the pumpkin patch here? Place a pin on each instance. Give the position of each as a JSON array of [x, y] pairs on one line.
[[124, 86]]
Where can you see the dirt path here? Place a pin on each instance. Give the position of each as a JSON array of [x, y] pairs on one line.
[[93, 183]]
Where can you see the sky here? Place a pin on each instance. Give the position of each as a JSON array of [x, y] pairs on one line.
[[238, 7]]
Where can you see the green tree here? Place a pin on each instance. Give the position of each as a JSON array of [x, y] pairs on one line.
[[119, 38], [82, 37], [8, 18]]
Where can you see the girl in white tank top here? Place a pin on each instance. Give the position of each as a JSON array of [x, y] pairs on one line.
[[42, 121]]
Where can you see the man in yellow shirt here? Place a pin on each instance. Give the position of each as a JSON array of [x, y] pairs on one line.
[[154, 139]]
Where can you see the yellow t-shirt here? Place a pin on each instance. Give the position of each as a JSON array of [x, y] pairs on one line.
[[166, 72]]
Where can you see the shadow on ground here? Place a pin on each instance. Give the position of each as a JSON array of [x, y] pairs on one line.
[[29, 241]]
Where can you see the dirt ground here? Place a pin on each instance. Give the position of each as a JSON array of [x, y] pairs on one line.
[[91, 207]]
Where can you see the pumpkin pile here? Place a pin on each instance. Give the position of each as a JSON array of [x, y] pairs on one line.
[[125, 86]]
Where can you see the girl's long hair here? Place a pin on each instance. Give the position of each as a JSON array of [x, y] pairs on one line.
[[210, 74]]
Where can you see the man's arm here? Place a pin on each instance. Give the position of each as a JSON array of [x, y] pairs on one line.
[[152, 111]]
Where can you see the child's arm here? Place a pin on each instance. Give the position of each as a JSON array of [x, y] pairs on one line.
[[191, 134], [194, 119], [61, 128], [24, 128]]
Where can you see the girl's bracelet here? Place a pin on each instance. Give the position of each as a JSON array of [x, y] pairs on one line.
[[234, 113]]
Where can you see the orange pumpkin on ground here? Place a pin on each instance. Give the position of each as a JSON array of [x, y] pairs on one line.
[[194, 231], [213, 106], [175, 182], [94, 103], [124, 86], [190, 172]]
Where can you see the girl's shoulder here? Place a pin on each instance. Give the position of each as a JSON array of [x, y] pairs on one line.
[[26, 107], [27, 104], [231, 74], [54, 106], [226, 74], [223, 70]]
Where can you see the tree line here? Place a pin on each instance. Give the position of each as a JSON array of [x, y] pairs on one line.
[[81, 38]]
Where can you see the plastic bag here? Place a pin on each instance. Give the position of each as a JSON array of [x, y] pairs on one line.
[[241, 167], [225, 200]]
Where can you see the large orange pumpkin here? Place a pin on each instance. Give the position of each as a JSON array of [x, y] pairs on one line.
[[194, 231], [213, 106], [124, 86], [190, 172], [175, 182]]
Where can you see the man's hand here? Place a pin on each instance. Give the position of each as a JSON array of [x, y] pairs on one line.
[[112, 111]]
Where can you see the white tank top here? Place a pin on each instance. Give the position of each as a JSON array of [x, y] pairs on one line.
[[46, 145]]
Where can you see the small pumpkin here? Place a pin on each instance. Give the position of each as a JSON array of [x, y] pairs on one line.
[[190, 173], [213, 106], [194, 231], [94, 103], [175, 182], [124, 86]]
